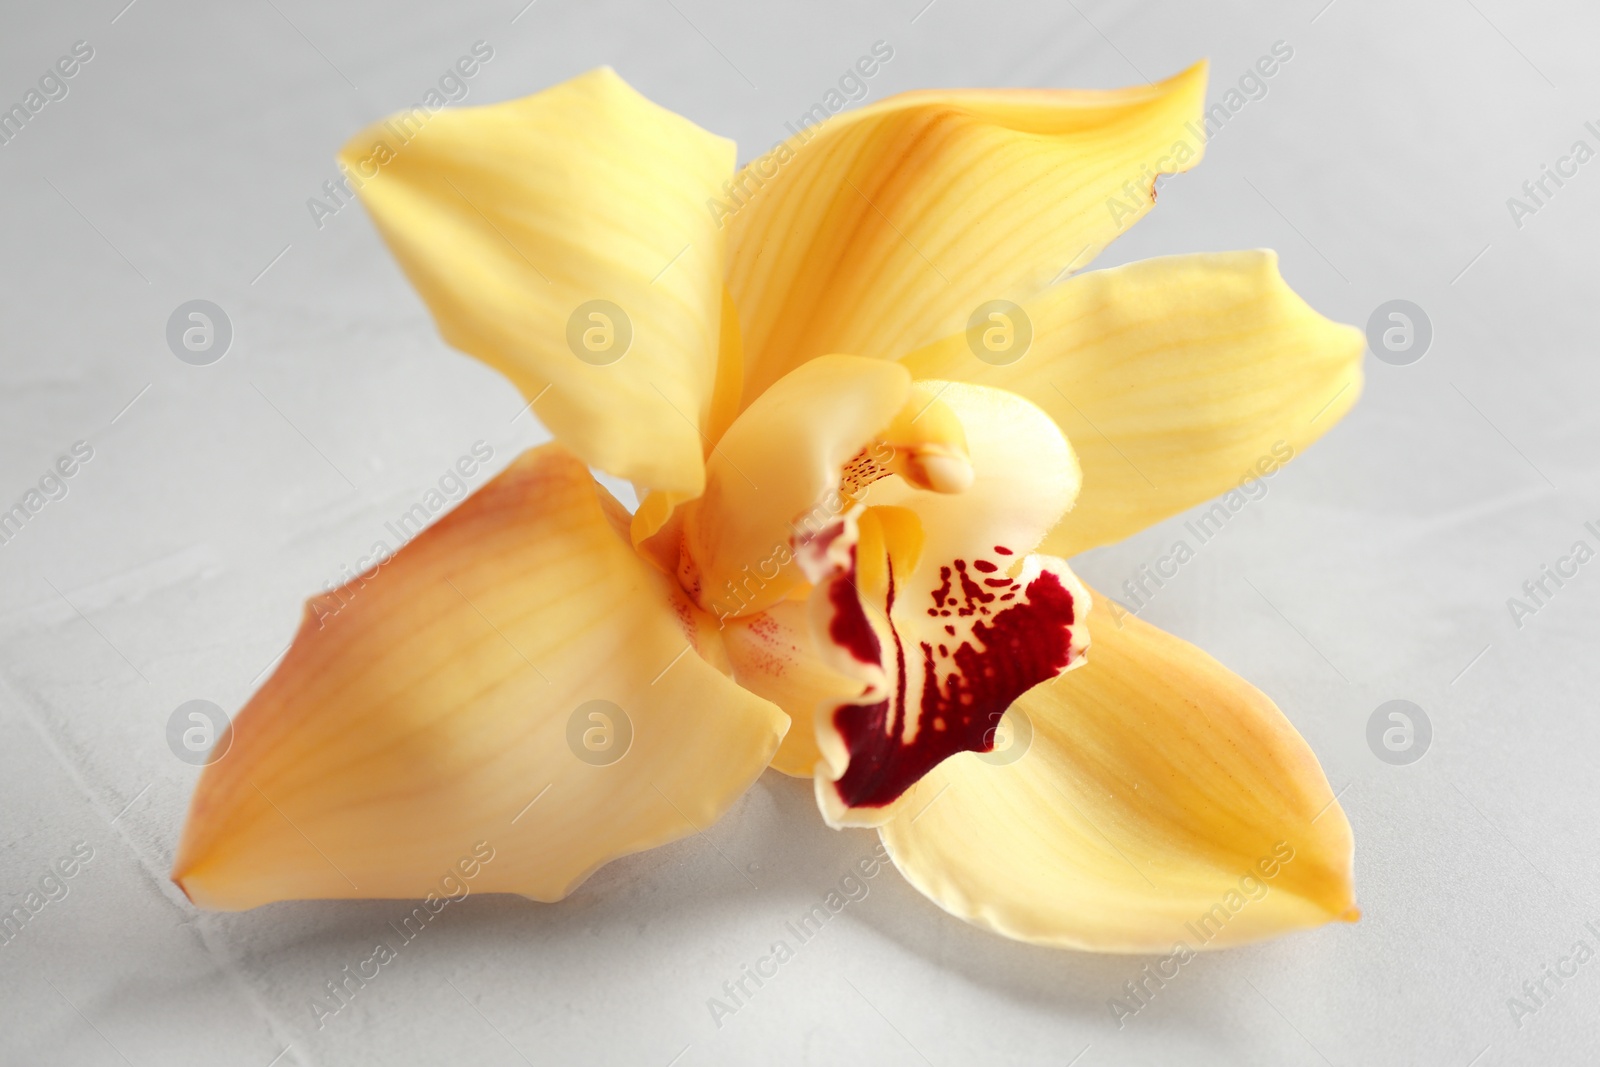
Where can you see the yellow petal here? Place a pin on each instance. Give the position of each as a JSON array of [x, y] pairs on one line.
[[1162, 800], [937, 606], [1176, 379], [730, 374], [515, 676], [885, 228], [512, 220]]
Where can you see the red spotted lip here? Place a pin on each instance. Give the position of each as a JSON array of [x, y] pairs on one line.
[[967, 685]]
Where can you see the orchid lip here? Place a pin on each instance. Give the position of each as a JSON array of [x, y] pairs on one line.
[[967, 684]]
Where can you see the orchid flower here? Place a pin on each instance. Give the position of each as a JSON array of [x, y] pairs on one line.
[[843, 382]]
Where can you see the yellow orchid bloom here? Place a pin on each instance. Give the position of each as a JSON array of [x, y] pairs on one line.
[[843, 381]]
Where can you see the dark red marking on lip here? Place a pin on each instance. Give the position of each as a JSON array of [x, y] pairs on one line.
[[974, 596], [862, 470], [985, 566], [1011, 652], [849, 626], [1003, 550]]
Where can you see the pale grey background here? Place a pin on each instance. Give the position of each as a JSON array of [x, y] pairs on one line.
[[1377, 567]]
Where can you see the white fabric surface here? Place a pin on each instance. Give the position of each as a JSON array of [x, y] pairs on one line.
[[1378, 566]]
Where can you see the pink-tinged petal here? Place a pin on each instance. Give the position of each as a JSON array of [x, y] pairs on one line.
[[516, 676], [773, 654]]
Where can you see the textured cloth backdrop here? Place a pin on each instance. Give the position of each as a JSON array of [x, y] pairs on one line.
[[1396, 152]]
